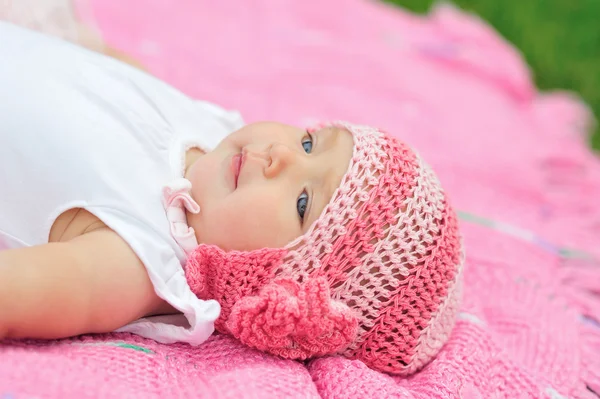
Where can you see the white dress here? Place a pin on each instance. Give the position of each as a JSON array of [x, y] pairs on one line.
[[81, 130]]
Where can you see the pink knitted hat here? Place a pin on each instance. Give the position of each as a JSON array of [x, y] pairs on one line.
[[376, 278]]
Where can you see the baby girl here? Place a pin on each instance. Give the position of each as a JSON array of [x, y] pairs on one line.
[[127, 206]]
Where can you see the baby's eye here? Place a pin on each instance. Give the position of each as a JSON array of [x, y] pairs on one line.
[[301, 205], [307, 143]]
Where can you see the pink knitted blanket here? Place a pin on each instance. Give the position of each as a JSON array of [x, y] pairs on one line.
[[513, 160]]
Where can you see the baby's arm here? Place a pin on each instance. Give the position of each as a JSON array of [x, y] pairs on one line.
[[92, 284]]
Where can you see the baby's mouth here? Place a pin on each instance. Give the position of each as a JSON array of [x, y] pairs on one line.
[[236, 163]]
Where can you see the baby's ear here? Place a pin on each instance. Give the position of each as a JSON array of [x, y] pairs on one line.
[[293, 320]]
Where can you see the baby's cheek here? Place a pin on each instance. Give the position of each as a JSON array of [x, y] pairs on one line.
[[258, 225]]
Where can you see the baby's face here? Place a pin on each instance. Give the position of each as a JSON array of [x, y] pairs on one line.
[[265, 184]]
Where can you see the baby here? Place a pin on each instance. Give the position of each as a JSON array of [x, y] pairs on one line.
[[126, 206]]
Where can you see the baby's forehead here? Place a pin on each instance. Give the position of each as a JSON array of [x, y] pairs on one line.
[[270, 127], [336, 130]]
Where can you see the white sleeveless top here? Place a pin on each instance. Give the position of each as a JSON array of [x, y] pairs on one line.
[[80, 130]]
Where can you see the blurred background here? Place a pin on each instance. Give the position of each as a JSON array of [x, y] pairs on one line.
[[560, 39]]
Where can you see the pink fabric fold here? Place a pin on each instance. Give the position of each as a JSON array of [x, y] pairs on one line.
[[177, 200]]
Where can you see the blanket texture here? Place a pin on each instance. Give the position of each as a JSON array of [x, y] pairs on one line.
[[514, 160]]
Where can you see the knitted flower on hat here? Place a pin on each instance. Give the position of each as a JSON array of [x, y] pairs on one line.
[[377, 277]]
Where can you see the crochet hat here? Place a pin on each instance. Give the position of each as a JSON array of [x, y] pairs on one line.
[[377, 277]]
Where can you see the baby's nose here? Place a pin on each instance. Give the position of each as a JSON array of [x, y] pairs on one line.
[[281, 156]]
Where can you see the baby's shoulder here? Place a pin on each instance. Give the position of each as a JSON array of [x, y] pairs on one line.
[[73, 223]]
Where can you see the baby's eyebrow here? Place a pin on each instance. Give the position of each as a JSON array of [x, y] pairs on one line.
[[323, 195], [330, 139]]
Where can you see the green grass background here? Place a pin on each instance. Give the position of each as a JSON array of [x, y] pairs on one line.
[[560, 40]]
